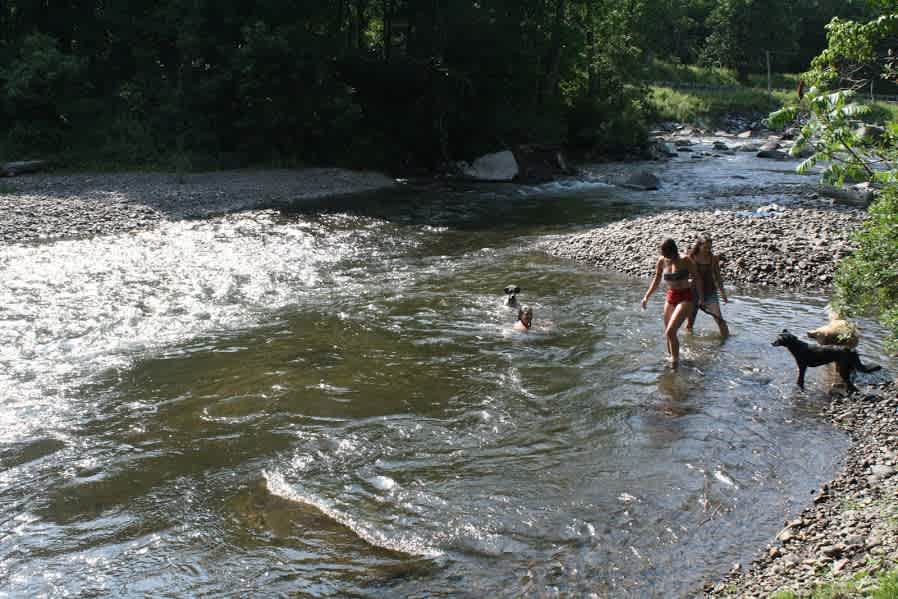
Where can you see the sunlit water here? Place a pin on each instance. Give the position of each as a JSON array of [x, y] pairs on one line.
[[330, 401]]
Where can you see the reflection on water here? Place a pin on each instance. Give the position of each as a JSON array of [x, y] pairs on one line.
[[332, 402]]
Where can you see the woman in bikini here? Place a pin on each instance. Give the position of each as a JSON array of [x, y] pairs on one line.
[[676, 271], [708, 265]]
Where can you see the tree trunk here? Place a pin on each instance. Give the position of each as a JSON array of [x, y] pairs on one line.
[[340, 20], [361, 6], [592, 87], [553, 61], [388, 29]]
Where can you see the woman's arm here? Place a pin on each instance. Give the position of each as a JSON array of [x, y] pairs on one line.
[[697, 279], [718, 278], [654, 284]]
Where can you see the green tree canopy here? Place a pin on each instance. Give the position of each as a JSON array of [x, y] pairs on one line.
[[859, 54]]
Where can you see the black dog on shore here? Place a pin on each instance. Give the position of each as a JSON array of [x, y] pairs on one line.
[[846, 360], [512, 292]]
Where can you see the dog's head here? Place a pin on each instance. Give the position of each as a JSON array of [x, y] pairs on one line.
[[511, 292], [785, 339]]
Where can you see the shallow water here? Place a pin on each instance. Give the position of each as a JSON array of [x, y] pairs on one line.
[[329, 401]]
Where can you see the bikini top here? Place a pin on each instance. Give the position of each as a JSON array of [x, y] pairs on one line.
[[679, 275]]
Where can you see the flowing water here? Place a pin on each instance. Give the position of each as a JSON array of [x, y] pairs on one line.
[[329, 401]]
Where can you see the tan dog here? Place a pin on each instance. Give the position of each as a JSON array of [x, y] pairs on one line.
[[838, 332]]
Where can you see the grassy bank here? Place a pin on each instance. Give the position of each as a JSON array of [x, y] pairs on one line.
[[704, 106], [694, 106], [658, 71], [884, 586]]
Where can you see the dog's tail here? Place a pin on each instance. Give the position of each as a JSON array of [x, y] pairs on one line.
[[860, 367]]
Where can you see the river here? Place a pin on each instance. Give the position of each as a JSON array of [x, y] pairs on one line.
[[328, 400]]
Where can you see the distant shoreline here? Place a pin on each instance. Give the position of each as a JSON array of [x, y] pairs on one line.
[[47, 207]]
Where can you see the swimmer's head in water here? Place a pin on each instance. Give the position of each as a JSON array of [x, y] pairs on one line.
[[525, 315]]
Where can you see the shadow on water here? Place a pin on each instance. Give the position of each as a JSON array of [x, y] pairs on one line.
[[489, 207]]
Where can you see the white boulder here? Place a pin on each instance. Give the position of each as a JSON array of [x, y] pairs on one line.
[[498, 166]]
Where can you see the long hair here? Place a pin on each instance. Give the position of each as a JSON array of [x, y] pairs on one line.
[[669, 249], [697, 246]]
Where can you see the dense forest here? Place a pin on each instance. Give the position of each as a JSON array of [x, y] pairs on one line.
[[393, 84]]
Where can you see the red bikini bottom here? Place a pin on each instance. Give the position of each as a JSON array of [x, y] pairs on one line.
[[675, 296]]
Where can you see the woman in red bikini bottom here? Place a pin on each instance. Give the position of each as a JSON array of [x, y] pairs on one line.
[[676, 271]]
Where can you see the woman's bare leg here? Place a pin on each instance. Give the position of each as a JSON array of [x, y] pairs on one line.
[[714, 310], [690, 319], [681, 311], [668, 312]]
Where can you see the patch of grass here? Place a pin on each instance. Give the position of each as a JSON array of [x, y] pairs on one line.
[[689, 106], [6, 189], [787, 81], [658, 70], [888, 586], [884, 587]]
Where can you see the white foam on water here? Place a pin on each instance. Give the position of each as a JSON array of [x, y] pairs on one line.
[[566, 186], [277, 485], [725, 478], [382, 483], [74, 308]]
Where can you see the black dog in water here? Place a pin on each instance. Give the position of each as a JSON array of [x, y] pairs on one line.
[[846, 360], [512, 292]]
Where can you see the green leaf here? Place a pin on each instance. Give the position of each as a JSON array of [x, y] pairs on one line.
[[806, 165], [855, 109], [782, 117]]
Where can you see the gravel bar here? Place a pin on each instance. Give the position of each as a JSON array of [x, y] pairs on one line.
[[795, 247], [45, 207]]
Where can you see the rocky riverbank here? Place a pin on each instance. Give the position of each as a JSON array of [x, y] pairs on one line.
[[53, 206], [791, 246], [848, 536]]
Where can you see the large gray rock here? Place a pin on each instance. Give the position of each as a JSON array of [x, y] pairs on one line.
[[499, 166], [540, 162], [869, 133], [11, 169], [774, 154], [860, 195], [791, 133], [665, 148], [642, 180]]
